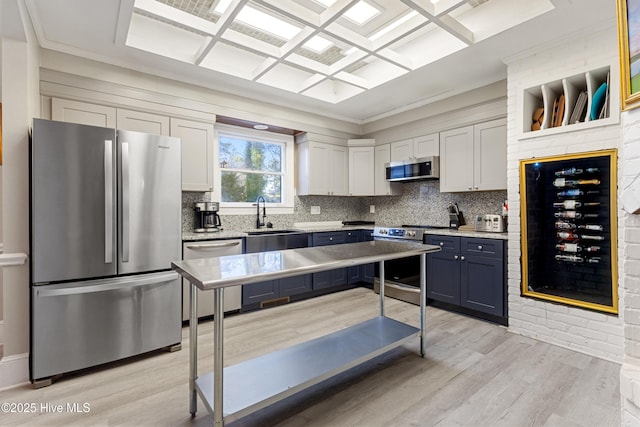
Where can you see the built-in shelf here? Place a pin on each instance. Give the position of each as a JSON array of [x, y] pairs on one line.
[[566, 91]]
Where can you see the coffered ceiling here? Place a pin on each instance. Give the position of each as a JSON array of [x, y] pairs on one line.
[[357, 60]]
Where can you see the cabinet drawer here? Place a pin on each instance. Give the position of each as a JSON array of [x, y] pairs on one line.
[[446, 243], [485, 247], [329, 238]]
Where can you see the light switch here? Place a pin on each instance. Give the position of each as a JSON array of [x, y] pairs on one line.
[[315, 210], [372, 208]]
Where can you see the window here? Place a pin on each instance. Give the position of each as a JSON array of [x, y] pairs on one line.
[[252, 163]]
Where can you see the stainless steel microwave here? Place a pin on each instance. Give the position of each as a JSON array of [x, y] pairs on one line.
[[420, 168]]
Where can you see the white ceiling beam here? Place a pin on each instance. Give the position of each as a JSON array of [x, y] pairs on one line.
[[450, 25], [335, 11], [297, 41], [349, 37], [312, 81], [293, 11], [263, 68], [220, 27], [400, 32], [176, 15], [251, 44], [353, 80], [309, 64], [446, 6], [395, 58], [347, 61]]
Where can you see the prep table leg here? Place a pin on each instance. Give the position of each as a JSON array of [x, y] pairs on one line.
[[423, 304], [382, 288], [193, 347], [218, 353]]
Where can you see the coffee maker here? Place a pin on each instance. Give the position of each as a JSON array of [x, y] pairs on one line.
[[206, 218]]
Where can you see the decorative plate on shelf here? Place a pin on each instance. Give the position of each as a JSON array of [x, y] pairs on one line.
[[599, 98]]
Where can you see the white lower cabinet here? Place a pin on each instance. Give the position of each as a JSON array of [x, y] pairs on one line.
[[206, 249]]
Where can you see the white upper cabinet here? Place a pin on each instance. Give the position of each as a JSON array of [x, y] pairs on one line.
[[197, 153], [426, 145], [413, 148], [361, 167], [83, 113], [322, 169], [382, 187], [474, 158], [142, 122]]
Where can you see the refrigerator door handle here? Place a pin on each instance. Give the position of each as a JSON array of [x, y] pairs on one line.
[[107, 285], [108, 201], [125, 202]]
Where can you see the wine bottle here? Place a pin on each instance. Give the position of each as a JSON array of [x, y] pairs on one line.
[[590, 237], [567, 235], [568, 214], [569, 258], [569, 172], [593, 227], [561, 225], [568, 204], [569, 247], [563, 182]]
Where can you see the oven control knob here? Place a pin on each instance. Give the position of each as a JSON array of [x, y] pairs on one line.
[[411, 233]]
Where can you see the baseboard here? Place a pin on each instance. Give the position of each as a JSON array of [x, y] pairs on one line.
[[14, 370]]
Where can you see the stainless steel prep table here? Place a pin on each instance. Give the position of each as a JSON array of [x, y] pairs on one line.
[[293, 369]]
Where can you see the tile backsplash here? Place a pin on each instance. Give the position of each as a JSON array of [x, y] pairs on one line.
[[420, 203]]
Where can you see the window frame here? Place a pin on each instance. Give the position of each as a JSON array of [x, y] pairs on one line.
[[288, 170]]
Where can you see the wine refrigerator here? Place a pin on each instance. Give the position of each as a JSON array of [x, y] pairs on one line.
[[568, 220]]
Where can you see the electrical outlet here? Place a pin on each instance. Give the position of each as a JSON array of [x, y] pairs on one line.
[[372, 208], [315, 210]]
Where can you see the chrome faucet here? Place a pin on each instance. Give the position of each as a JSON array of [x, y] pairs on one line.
[[264, 211]]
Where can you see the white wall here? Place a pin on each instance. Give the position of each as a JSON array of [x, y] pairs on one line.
[[19, 82], [589, 332]]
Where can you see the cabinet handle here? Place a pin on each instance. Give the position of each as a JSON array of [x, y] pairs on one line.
[[212, 245], [469, 187], [479, 247], [462, 257], [476, 187], [330, 238], [441, 243], [455, 257]]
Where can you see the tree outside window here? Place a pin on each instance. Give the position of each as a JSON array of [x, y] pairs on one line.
[[249, 168]]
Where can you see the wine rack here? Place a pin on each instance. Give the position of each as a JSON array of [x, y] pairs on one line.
[[569, 229]]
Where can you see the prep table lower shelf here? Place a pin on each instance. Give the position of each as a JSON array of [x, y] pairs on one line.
[[257, 383]]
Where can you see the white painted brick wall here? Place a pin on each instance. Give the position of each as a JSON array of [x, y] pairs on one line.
[[597, 334]]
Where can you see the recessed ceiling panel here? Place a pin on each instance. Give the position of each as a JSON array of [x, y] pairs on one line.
[[333, 91], [428, 45], [163, 39], [285, 77], [231, 60]]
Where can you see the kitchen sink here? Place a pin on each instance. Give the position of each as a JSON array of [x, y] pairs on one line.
[[271, 231]]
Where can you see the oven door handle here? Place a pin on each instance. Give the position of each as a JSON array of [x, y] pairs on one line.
[[393, 285]]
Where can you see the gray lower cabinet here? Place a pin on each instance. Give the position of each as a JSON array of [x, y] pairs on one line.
[[468, 272], [330, 278], [274, 289]]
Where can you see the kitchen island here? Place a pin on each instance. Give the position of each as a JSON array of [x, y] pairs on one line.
[[232, 392]]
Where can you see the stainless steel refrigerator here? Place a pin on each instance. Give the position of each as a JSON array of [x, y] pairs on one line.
[[105, 226]]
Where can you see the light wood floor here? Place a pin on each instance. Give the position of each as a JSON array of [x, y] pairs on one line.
[[475, 374]]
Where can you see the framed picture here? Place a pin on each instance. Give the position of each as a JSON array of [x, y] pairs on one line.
[[569, 229], [629, 41]]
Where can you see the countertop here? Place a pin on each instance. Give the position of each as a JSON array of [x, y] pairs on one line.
[[236, 234], [220, 272]]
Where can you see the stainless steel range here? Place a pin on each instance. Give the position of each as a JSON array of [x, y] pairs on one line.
[[402, 276]]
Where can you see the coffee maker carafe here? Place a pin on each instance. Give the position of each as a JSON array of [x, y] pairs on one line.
[[206, 218]]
